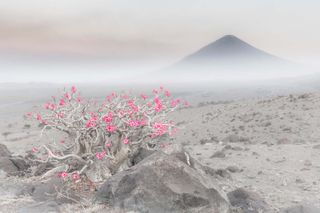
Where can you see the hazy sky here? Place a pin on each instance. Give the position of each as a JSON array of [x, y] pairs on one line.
[[156, 30]]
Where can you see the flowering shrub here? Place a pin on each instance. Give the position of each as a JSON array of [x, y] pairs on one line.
[[102, 138]]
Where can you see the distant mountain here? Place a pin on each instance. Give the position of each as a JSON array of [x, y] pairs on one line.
[[228, 48], [229, 54]]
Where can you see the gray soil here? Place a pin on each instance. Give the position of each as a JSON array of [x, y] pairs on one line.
[[269, 146]]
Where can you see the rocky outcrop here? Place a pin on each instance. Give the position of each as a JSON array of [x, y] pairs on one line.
[[4, 151], [12, 165], [165, 182], [247, 202]]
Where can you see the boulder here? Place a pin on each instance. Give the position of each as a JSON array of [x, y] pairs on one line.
[[247, 202], [8, 166], [164, 182], [4, 151], [42, 168], [20, 163]]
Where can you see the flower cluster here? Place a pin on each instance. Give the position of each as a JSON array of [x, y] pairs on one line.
[[92, 129]]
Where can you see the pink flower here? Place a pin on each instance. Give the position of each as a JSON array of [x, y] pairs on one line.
[[63, 175], [158, 125], [78, 99], [133, 107], [100, 155], [62, 141], [62, 102], [90, 123], [34, 150], [38, 117], [60, 115], [134, 123], [143, 96], [108, 145], [28, 114], [107, 119], [126, 141], [121, 113], [67, 96], [167, 93], [73, 89], [159, 129], [75, 176], [158, 105], [110, 128], [109, 98], [142, 122], [124, 96], [173, 103], [46, 106], [186, 103]]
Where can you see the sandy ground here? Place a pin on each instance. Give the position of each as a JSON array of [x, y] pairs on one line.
[[275, 143], [271, 145]]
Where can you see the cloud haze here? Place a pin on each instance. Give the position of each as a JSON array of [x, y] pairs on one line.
[[155, 32]]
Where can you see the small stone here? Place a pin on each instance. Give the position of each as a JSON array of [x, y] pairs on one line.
[[233, 169], [255, 153], [4, 151], [307, 163], [218, 154]]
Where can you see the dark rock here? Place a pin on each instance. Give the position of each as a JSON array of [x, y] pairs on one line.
[[307, 163], [233, 169], [142, 154], [4, 151], [231, 138], [265, 124], [20, 163], [223, 173], [43, 168], [301, 209], [234, 148], [235, 138], [227, 147], [164, 182], [8, 166], [248, 202], [304, 96], [48, 206], [218, 154]]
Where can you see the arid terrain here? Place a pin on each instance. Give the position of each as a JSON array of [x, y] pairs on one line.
[[270, 146]]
